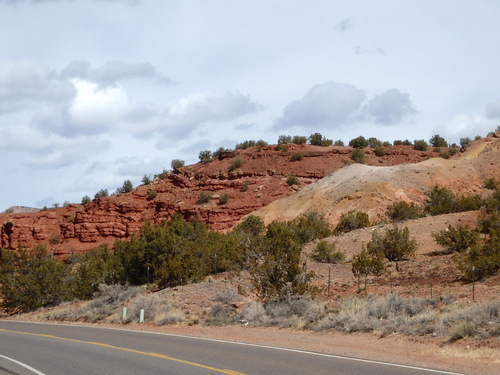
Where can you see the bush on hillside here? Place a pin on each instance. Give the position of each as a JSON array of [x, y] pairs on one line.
[[401, 211], [395, 244], [351, 221], [358, 155], [326, 252]]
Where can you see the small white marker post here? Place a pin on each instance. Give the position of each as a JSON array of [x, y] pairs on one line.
[[141, 316], [124, 313]]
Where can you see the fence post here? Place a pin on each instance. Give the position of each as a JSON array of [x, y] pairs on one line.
[[141, 316], [124, 313]]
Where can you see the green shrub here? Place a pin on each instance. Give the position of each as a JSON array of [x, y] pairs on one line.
[[491, 183], [284, 139], [146, 180], [205, 156], [464, 142], [125, 188], [86, 200], [438, 141], [420, 145], [162, 175], [406, 142], [55, 238], [440, 201], [282, 148], [325, 252], [235, 163], [358, 155], [351, 221], [244, 145], [367, 263], [204, 197], [297, 156], [379, 151], [401, 211], [101, 194], [292, 180], [299, 140], [395, 244], [151, 195], [32, 278], [339, 143], [244, 186], [317, 139], [223, 198], [457, 239], [445, 154], [359, 142], [176, 164], [310, 226], [374, 142]]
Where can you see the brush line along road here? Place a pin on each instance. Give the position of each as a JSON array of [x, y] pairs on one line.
[[32, 348]]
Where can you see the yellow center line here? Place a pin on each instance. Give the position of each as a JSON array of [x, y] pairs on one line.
[[222, 371]]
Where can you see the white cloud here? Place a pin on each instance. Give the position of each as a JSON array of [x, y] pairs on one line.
[[330, 103], [463, 125], [111, 72], [24, 82], [180, 118], [493, 110], [344, 25], [388, 108]]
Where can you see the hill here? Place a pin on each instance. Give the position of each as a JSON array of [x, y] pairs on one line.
[[260, 180]]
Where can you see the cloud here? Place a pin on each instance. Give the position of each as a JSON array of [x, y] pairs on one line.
[[388, 108], [329, 103], [180, 118], [24, 81], [464, 125], [493, 110], [344, 25], [370, 51], [111, 72]]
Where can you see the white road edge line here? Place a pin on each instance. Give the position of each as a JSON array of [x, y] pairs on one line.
[[354, 359], [35, 371]]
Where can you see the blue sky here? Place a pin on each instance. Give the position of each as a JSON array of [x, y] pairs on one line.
[[93, 93]]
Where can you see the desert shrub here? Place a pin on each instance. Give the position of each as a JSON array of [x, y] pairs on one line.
[[379, 151], [299, 140], [54, 238], [469, 203], [395, 244], [359, 142], [358, 155], [32, 278], [457, 239], [292, 180], [221, 315], [440, 201], [351, 221], [445, 154], [223, 198], [297, 156], [226, 296], [491, 183], [281, 147], [205, 156], [438, 141], [275, 265], [339, 142], [325, 252], [420, 145], [146, 179], [151, 194], [284, 139], [464, 142], [244, 145], [367, 263], [93, 268], [310, 226], [204, 197], [125, 188], [317, 139], [235, 163], [406, 142], [162, 175], [401, 211], [462, 330], [374, 142], [101, 194], [177, 163], [244, 186]]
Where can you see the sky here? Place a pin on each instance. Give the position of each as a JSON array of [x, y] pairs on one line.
[[96, 92]]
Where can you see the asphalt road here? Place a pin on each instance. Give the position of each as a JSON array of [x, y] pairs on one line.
[[33, 348]]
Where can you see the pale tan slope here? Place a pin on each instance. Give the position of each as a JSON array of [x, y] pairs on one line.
[[371, 189]]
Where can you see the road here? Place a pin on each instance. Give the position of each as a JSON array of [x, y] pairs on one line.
[[35, 348]]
